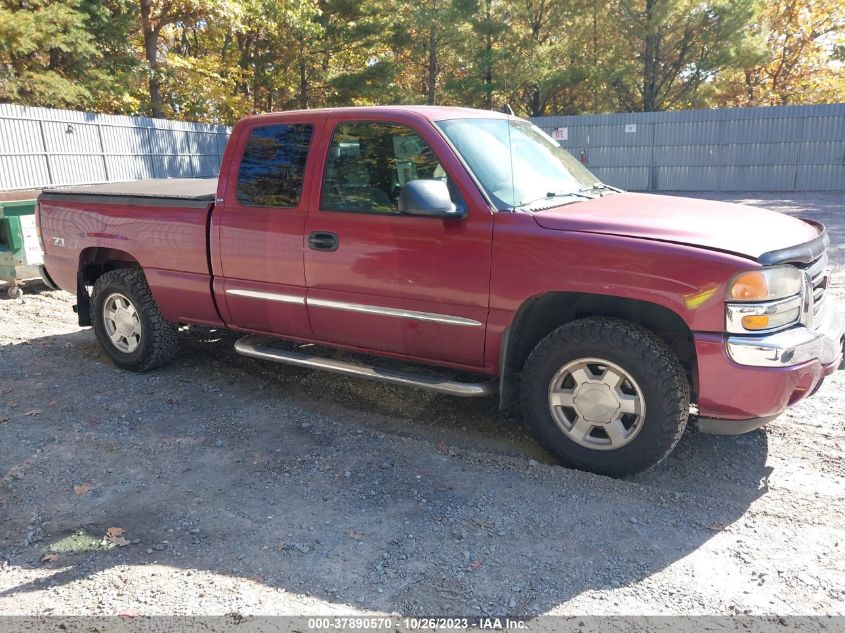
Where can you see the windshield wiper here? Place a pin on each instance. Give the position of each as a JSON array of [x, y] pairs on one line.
[[551, 195]]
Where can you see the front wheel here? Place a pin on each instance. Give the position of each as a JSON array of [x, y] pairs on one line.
[[605, 395], [128, 323]]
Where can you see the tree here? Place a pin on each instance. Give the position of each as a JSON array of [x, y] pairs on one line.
[[155, 16], [358, 64], [428, 44], [47, 53], [480, 55], [219, 60], [111, 82], [667, 50], [546, 63], [802, 63], [342, 53]]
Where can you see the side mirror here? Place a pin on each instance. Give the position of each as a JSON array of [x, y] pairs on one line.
[[429, 198]]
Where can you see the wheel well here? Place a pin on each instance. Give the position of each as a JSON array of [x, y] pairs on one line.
[[93, 262], [538, 316]]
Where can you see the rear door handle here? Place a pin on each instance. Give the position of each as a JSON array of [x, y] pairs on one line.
[[323, 241]]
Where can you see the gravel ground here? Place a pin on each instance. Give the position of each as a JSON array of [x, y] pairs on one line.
[[242, 486]]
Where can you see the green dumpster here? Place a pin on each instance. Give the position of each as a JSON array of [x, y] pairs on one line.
[[20, 251]]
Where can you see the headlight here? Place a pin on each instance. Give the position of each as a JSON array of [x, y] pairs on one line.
[[765, 284], [765, 299]]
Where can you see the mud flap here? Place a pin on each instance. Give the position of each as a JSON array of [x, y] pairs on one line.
[[83, 301]]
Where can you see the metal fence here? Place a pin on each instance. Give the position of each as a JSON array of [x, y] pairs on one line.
[[41, 147], [781, 148]]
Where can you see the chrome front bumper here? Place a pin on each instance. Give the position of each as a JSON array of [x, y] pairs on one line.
[[796, 345]]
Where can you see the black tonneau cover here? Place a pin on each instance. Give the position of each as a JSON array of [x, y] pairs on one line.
[[184, 191]]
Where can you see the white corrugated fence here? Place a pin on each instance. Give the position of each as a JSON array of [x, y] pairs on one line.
[[42, 147], [780, 148]]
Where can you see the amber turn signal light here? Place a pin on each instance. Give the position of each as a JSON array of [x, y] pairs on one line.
[[755, 322]]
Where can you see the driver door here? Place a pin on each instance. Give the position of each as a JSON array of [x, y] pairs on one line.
[[411, 286]]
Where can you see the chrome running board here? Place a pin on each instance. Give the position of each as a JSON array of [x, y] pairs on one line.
[[256, 346]]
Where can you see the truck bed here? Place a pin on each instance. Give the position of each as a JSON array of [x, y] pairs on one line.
[[199, 191], [160, 225]]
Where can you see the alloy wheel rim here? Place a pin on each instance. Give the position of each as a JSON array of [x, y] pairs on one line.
[[596, 404], [123, 323]]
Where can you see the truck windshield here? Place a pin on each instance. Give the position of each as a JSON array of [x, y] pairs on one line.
[[519, 165]]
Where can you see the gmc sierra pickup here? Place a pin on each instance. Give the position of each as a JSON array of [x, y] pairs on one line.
[[466, 240]]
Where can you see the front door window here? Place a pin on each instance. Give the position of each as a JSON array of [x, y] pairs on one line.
[[370, 162]]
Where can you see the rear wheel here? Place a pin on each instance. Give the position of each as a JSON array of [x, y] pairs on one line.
[[605, 395], [128, 323]]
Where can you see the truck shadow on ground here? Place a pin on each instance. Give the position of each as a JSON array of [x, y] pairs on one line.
[[350, 492]]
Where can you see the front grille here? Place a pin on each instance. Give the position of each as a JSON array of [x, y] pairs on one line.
[[818, 273]]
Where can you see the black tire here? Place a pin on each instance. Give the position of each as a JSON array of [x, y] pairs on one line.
[[649, 361], [158, 338]]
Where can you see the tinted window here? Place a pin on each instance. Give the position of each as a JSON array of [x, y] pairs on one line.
[[273, 165], [369, 163]]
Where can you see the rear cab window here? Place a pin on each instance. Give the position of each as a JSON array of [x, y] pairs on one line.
[[272, 170]]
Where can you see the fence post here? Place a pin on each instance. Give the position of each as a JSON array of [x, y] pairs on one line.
[[798, 145], [103, 152], [190, 153], [148, 133], [652, 172], [46, 153]]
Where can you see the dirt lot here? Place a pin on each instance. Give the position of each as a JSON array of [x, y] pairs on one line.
[[250, 487]]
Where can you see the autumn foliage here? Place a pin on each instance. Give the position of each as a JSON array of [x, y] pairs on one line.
[[218, 60]]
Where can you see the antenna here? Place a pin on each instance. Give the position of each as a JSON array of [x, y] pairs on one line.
[[507, 109]]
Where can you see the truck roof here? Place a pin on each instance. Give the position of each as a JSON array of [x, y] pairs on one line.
[[198, 191], [433, 113]]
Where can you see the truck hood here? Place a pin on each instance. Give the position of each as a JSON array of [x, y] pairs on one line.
[[722, 226]]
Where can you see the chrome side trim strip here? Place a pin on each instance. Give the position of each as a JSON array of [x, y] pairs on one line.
[[269, 296], [256, 346], [394, 312]]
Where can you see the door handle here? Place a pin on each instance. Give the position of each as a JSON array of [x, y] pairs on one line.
[[323, 241]]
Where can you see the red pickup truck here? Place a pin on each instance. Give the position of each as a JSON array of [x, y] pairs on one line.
[[469, 241]]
